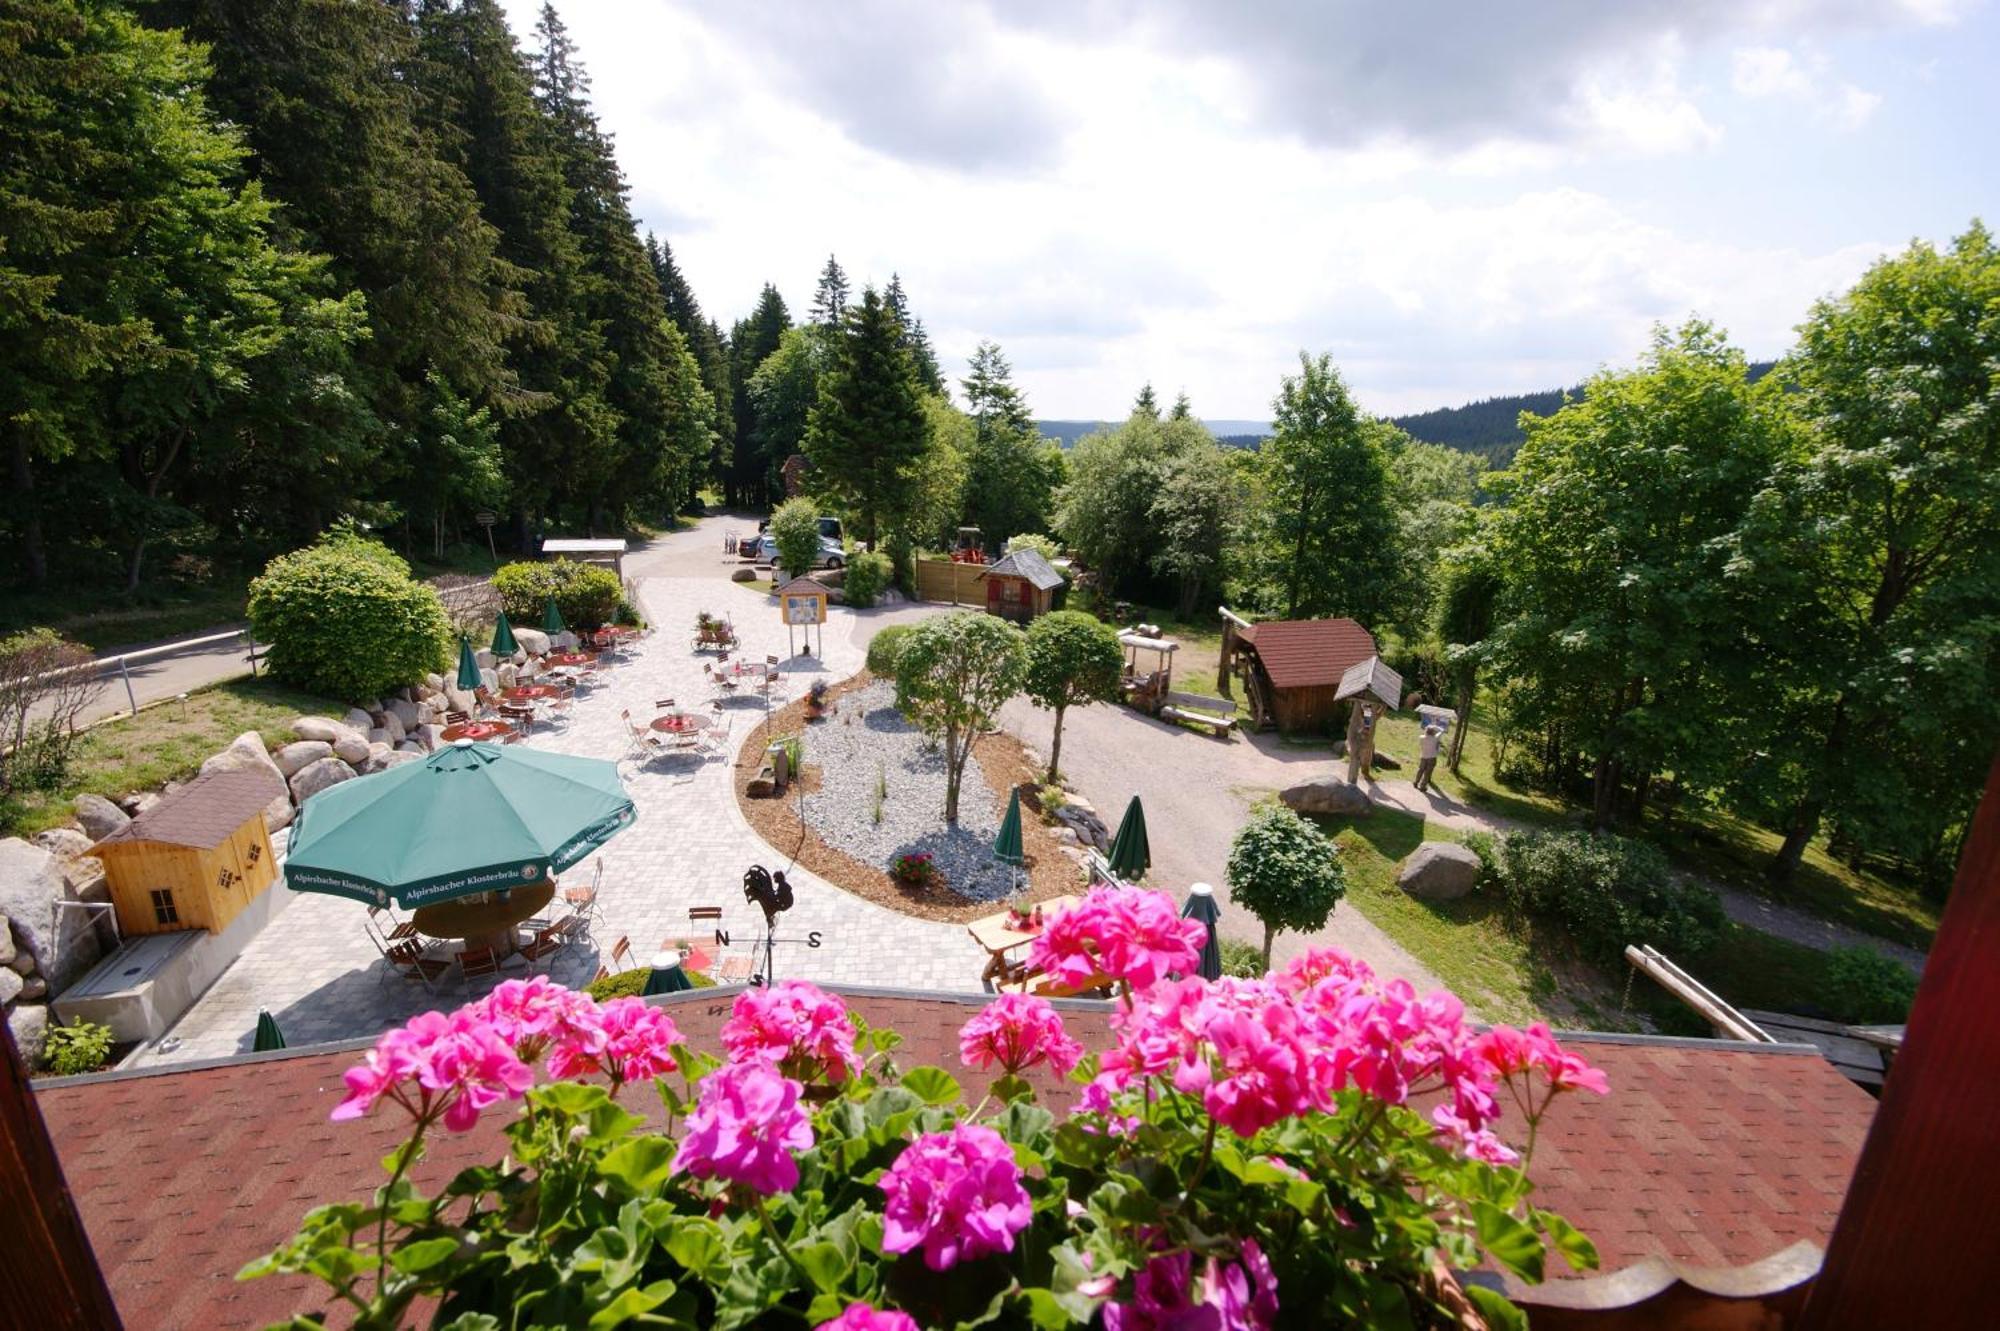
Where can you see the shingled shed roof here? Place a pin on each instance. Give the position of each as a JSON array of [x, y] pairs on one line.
[[206, 811], [1308, 653], [1705, 1152], [1029, 564]]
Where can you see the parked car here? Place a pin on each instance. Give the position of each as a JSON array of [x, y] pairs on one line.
[[831, 553]]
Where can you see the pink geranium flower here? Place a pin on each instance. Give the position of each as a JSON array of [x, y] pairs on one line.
[[1122, 933], [534, 1013], [1166, 1297], [862, 1317], [956, 1195], [628, 1040], [799, 1026], [1018, 1032], [438, 1067], [745, 1127]]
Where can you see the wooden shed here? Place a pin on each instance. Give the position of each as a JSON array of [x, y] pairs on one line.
[[1291, 669], [1021, 586], [195, 859]]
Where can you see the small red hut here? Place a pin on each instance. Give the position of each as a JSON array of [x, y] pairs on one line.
[[1021, 586]]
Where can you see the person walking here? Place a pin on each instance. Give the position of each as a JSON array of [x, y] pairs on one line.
[[1427, 756]]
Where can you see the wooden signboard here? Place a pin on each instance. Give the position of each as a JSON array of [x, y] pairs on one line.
[[803, 601]]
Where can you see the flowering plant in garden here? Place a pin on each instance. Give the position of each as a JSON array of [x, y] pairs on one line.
[[917, 869], [1313, 1149]]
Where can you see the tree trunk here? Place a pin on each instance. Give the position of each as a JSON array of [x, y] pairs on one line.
[[132, 570], [1269, 934], [32, 549], [1465, 688], [1055, 745], [1804, 824], [954, 768], [1603, 793]]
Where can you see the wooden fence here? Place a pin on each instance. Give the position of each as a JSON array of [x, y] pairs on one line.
[[942, 580]]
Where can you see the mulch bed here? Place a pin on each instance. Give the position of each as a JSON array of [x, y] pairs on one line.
[[1001, 761]]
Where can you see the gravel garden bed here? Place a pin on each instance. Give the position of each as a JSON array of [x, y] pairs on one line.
[[864, 754]]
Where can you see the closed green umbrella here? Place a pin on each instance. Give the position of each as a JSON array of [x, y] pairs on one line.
[[1201, 906], [470, 818], [552, 618], [667, 977], [503, 637], [269, 1037], [468, 665], [1007, 841], [1130, 855]]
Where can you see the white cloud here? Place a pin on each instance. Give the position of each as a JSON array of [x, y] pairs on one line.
[[1189, 194], [1772, 72]]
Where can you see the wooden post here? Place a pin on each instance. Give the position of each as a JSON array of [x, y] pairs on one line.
[[49, 1278], [1916, 1244]]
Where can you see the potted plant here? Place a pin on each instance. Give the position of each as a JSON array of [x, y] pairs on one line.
[[816, 700]]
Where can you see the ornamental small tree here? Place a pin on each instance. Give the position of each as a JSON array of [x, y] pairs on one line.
[[1073, 660], [953, 673], [795, 529], [1286, 872]]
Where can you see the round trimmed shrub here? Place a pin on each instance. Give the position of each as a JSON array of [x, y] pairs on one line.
[[589, 597], [885, 647], [343, 621], [867, 574], [1604, 892]]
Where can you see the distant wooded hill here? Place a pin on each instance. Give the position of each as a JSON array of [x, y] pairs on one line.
[[1491, 427], [1239, 433]]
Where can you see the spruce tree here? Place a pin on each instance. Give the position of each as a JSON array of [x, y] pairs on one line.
[[915, 339], [751, 473], [319, 88], [1146, 404], [1183, 409], [868, 431], [1011, 474], [704, 342], [830, 296]]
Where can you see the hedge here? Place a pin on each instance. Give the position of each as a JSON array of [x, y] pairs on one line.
[[1604, 892], [589, 597], [867, 574], [343, 621]]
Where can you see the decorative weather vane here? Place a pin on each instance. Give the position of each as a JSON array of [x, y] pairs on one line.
[[772, 894]]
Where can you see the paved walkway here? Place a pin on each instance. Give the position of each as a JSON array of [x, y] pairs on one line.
[[317, 973]]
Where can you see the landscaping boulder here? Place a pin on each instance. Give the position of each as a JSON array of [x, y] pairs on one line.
[[61, 943], [321, 728], [1089, 828], [379, 738], [490, 679], [29, 1024], [34, 987], [430, 737], [1439, 871], [351, 748], [484, 658], [62, 842], [299, 754], [99, 816], [10, 986], [139, 801], [393, 724], [410, 746], [315, 777], [461, 701], [359, 719], [533, 641], [744, 575], [434, 682], [506, 675], [407, 714], [22, 962], [1326, 794], [7, 949], [394, 758]]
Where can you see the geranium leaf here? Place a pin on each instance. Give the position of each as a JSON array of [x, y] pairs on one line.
[[422, 1255], [824, 1263], [1511, 1242], [1499, 1313], [1570, 1241], [631, 1303], [640, 1165], [932, 1085], [696, 1244]]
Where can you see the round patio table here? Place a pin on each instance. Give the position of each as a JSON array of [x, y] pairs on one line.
[[529, 692], [476, 730], [569, 658], [680, 723], [487, 920]]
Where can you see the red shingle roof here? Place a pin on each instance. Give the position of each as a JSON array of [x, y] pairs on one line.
[[1308, 653], [206, 811], [1713, 1153]]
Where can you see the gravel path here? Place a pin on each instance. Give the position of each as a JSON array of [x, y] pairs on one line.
[[879, 749]]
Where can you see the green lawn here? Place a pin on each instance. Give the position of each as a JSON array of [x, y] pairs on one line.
[[164, 743]]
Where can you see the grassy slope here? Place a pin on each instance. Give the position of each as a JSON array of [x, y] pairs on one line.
[[165, 743]]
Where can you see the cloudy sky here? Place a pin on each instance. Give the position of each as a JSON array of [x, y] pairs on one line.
[[1454, 199]]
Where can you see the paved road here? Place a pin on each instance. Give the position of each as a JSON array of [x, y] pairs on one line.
[[170, 674]]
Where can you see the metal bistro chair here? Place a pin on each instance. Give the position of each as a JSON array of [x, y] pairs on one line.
[[397, 930], [773, 683], [621, 953], [474, 962], [408, 960], [583, 900], [547, 942]]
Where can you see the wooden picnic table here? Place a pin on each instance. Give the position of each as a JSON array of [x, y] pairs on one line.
[[477, 730], [999, 937], [486, 920]]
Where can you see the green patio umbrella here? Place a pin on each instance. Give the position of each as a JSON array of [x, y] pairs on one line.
[[470, 818], [1130, 855], [667, 977], [503, 637], [468, 665], [269, 1037], [552, 619], [1201, 906], [1007, 841]]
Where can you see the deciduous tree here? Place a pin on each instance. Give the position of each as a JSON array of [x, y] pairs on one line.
[[953, 673], [1073, 660], [1286, 872]]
